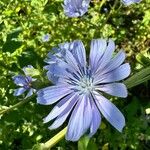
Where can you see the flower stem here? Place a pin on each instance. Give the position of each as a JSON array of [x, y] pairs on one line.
[[102, 3], [112, 10], [15, 106], [59, 136], [110, 13], [107, 17]]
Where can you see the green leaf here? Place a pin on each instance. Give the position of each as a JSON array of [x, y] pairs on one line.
[[138, 78], [38, 147], [39, 4], [143, 60], [92, 145], [132, 108], [83, 143]]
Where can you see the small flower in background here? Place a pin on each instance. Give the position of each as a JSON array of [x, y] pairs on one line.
[[25, 83], [129, 2], [105, 10], [76, 8], [79, 87], [46, 38]]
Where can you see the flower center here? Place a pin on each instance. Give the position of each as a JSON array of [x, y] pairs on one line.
[[85, 85]]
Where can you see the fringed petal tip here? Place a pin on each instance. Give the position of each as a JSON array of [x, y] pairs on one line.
[[40, 97], [110, 112]]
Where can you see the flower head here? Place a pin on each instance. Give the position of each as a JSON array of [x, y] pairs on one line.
[[25, 83], [80, 86], [129, 2], [76, 8]]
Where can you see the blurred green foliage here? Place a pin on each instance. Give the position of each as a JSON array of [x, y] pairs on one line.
[[23, 23]]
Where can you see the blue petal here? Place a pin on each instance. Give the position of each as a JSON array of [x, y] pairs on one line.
[[114, 89], [64, 47], [31, 91], [129, 2], [79, 53], [80, 119], [20, 80], [76, 8], [52, 94], [29, 80], [105, 59], [98, 47], [96, 120], [51, 58], [64, 114], [116, 75], [59, 121], [110, 112], [57, 69], [19, 91], [51, 77], [72, 62], [114, 63], [60, 107]]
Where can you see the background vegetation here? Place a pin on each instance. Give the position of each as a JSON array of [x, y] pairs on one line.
[[23, 23]]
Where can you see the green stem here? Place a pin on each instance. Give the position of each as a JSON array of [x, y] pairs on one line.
[[15, 106], [59, 136], [102, 3], [110, 13], [108, 16]]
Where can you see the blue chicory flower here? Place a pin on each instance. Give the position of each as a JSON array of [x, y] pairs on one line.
[[76, 8], [129, 2], [25, 83], [79, 87]]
